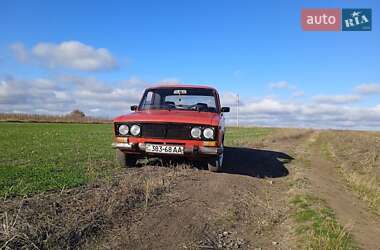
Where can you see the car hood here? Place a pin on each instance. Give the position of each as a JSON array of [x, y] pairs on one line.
[[175, 116]]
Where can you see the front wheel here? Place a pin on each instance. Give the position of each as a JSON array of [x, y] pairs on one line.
[[215, 164], [125, 160]]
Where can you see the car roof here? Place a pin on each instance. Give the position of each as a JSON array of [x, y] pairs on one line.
[[180, 86]]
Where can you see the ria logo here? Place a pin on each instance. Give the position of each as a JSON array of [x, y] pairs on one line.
[[356, 19], [336, 19]]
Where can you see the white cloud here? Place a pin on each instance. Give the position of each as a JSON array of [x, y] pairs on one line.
[[62, 95], [298, 93], [95, 97], [280, 85], [273, 112], [368, 88], [68, 54], [336, 99], [268, 106], [169, 80], [135, 81], [94, 110], [284, 85]]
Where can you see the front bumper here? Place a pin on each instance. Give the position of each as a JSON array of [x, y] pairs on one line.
[[121, 145], [188, 149]]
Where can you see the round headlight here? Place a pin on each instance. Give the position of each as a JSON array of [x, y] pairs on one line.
[[208, 133], [135, 130], [196, 132], [123, 129]]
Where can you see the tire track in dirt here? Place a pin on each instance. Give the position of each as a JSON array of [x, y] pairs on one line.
[[350, 211]]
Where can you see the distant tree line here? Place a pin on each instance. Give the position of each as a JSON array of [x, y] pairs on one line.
[[75, 116]]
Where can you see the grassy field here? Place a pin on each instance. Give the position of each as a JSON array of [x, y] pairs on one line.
[[37, 157], [245, 136]]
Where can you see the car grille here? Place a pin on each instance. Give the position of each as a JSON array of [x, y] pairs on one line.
[[165, 131]]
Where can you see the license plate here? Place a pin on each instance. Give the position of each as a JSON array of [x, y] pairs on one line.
[[164, 149]]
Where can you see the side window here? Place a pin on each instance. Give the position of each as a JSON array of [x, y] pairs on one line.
[[217, 100], [152, 99], [149, 98]]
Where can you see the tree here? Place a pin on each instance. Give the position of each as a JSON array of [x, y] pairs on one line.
[[77, 113]]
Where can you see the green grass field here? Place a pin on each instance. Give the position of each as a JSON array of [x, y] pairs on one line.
[[245, 136], [36, 157]]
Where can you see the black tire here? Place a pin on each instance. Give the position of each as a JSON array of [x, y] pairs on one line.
[[215, 164], [200, 164], [125, 160]]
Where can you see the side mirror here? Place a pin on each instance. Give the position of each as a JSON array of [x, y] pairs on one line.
[[134, 107], [225, 109]]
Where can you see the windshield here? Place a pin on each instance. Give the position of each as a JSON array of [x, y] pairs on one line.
[[191, 99]]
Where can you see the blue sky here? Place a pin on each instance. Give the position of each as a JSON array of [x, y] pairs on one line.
[[255, 49]]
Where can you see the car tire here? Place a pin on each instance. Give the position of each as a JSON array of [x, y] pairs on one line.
[[125, 160], [215, 164]]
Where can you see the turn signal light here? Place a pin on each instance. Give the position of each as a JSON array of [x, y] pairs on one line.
[[122, 139], [209, 143]]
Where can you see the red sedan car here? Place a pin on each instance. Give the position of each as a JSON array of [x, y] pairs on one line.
[[173, 120]]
